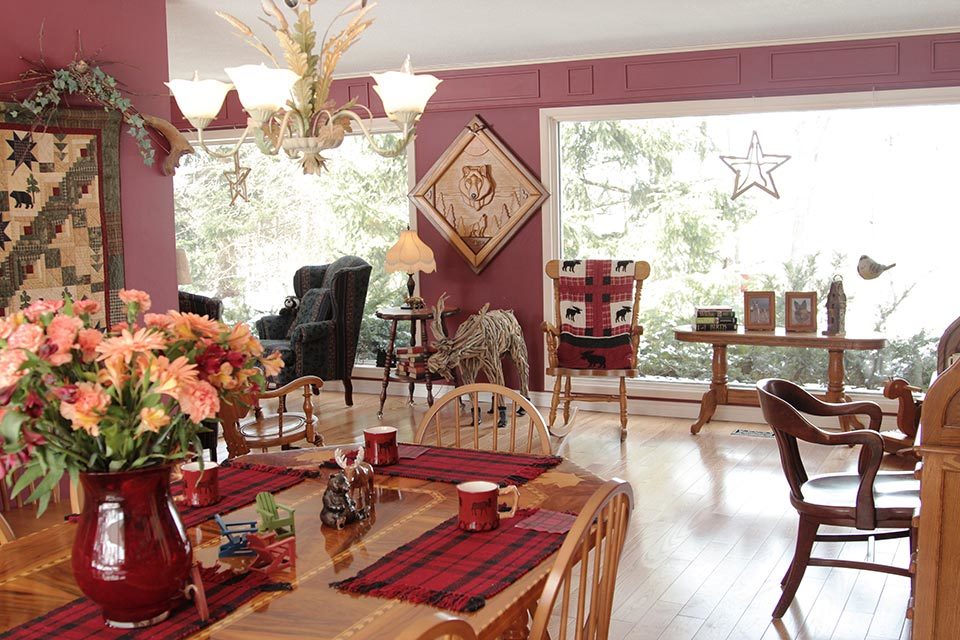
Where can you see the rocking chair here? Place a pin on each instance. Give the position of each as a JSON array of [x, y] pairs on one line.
[[595, 331]]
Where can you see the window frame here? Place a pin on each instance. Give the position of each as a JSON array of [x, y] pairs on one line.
[[550, 119], [375, 126]]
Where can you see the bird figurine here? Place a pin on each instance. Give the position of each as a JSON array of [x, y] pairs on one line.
[[868, 268]]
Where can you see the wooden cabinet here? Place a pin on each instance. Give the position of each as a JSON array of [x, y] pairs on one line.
[[936, 615]]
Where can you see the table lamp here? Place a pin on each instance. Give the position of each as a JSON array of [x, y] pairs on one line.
[[410, 255], [183, 268]]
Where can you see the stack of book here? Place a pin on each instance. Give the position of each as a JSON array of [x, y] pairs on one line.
[[412, 362], [715, 319]]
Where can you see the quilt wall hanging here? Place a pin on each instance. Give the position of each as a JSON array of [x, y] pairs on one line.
[[60, 228], [478, 194]]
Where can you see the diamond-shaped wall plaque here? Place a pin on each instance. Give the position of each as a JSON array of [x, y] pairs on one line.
[[478, 194]]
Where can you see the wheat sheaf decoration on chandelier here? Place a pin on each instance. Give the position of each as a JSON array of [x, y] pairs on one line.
[[290, 108]]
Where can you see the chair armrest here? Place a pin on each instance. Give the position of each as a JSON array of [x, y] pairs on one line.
[[549, 329], [806, 403], [234, 527], [552, 335], [314, 331], [289, 510], [274, 327], [867, 468]]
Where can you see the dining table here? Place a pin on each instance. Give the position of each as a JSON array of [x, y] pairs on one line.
[[35, 574]]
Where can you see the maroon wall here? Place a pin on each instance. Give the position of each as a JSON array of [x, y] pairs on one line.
[[135, 35], [509, 100]]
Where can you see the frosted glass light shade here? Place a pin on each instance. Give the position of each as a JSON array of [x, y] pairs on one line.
[[199, 100], [409, 255], [402, 92], [183, 268], [262, 90]]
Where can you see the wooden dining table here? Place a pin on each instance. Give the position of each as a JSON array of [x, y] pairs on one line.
[[35, 574]]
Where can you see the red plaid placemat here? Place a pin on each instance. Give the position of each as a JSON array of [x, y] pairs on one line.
[[412, 451], [443, 464], [549, 521], [239, 485], [453, 569], [81, 619]]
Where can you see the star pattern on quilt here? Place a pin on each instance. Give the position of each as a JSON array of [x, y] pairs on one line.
[[3, 232], [22, 151]]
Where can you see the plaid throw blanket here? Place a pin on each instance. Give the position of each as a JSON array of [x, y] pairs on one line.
[[596, 311], [453, 569], [80, 619], [442, 464]]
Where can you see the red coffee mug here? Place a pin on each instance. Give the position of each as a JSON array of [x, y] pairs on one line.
[[200, 488], [478, 505], [380, 446]]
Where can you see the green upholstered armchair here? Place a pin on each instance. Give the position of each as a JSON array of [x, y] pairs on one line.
[[319, 337]]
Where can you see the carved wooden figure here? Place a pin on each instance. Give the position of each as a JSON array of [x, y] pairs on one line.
[[836, 308]]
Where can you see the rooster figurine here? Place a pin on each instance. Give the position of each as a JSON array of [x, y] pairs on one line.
[[868, 268]]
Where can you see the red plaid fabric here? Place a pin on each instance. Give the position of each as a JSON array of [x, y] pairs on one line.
[[549, 521], [80, 619], [239, 484], [453, 569], [442, 464], [596, 297]]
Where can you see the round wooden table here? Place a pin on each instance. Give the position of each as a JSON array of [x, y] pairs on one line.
[[413, 316], [35, 575]]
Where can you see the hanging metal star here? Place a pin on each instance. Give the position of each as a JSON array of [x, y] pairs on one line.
[[237, 181], [22, 151], [755, 169]]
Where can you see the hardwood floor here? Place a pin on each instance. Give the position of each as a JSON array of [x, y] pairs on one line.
[[711, 534]]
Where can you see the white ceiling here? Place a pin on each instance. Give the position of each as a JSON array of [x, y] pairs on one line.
[[443, 34]]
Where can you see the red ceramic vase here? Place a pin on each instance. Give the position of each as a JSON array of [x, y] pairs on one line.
[[131, 555]]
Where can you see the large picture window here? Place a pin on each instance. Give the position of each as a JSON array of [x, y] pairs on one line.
[[878, 181], [246, 254]]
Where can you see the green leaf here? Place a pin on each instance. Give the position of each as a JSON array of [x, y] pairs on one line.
[[10, 425], [32, 472]]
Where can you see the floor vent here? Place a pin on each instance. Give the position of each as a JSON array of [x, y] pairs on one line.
[[752, 433]]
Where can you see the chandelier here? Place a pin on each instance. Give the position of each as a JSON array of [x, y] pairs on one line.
[[290, 109]]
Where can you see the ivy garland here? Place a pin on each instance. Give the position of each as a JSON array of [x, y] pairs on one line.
[[94, 84]]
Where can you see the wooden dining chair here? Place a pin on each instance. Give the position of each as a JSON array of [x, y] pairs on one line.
[[867, 500], [438, 626], [271, 429], [594, 543], [17, 515], [444, 423]]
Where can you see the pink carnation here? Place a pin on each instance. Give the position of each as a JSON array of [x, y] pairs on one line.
[[62, 333], [157, 320], [86, 306], [200, 401], [38, 308], [26, 336], [88, 339], [10, 361], [135, 296]]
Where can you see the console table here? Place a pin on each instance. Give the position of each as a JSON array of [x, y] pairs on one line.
[[395, 315], [719, 393]]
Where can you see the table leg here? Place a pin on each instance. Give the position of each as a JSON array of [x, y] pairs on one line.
[[386, 366], [423, 340], [835, 392], [413, 343], [718, 389], [519, 628]]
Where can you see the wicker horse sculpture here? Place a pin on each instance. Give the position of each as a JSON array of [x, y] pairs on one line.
[[479, 344]]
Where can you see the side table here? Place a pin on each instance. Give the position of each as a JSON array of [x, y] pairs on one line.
[[413, 316]]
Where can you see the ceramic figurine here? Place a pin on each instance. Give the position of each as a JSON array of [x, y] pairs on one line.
[[868, 268], [836, 308], [340, 508], [360, 476]]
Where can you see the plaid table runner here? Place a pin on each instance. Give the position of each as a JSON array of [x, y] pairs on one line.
[[239, 485], [549, 521], [442, 464], [80, 619], [453, 569]]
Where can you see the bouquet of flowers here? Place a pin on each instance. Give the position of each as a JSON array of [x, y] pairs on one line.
[[75, 398]]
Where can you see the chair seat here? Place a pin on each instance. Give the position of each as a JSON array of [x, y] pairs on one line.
[[266, 433], [898, 493], [599, 373]]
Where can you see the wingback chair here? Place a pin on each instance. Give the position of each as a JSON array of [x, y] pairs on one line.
[[319, 338], [200, 305]]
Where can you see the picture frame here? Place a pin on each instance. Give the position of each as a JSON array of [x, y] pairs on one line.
[[759, 310], [800, 311]]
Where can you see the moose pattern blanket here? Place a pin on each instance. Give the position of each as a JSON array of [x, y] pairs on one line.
[[596, 312]]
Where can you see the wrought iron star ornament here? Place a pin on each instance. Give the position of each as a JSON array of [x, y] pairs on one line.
[[237, 181], [755, 169]]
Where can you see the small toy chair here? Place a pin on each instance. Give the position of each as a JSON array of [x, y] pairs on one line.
[[270, 520], [236, 533], [273, 554]]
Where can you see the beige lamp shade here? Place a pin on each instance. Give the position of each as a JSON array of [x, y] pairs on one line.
[[409, 255], [183, 268]]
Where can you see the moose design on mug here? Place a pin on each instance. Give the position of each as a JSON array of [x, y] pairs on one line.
[[478, 505]]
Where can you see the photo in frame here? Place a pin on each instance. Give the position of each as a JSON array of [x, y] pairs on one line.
[[759, 310], [800, 312], [478, 194]]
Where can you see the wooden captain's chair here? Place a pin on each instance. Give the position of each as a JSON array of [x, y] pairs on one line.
[[561, 340]]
